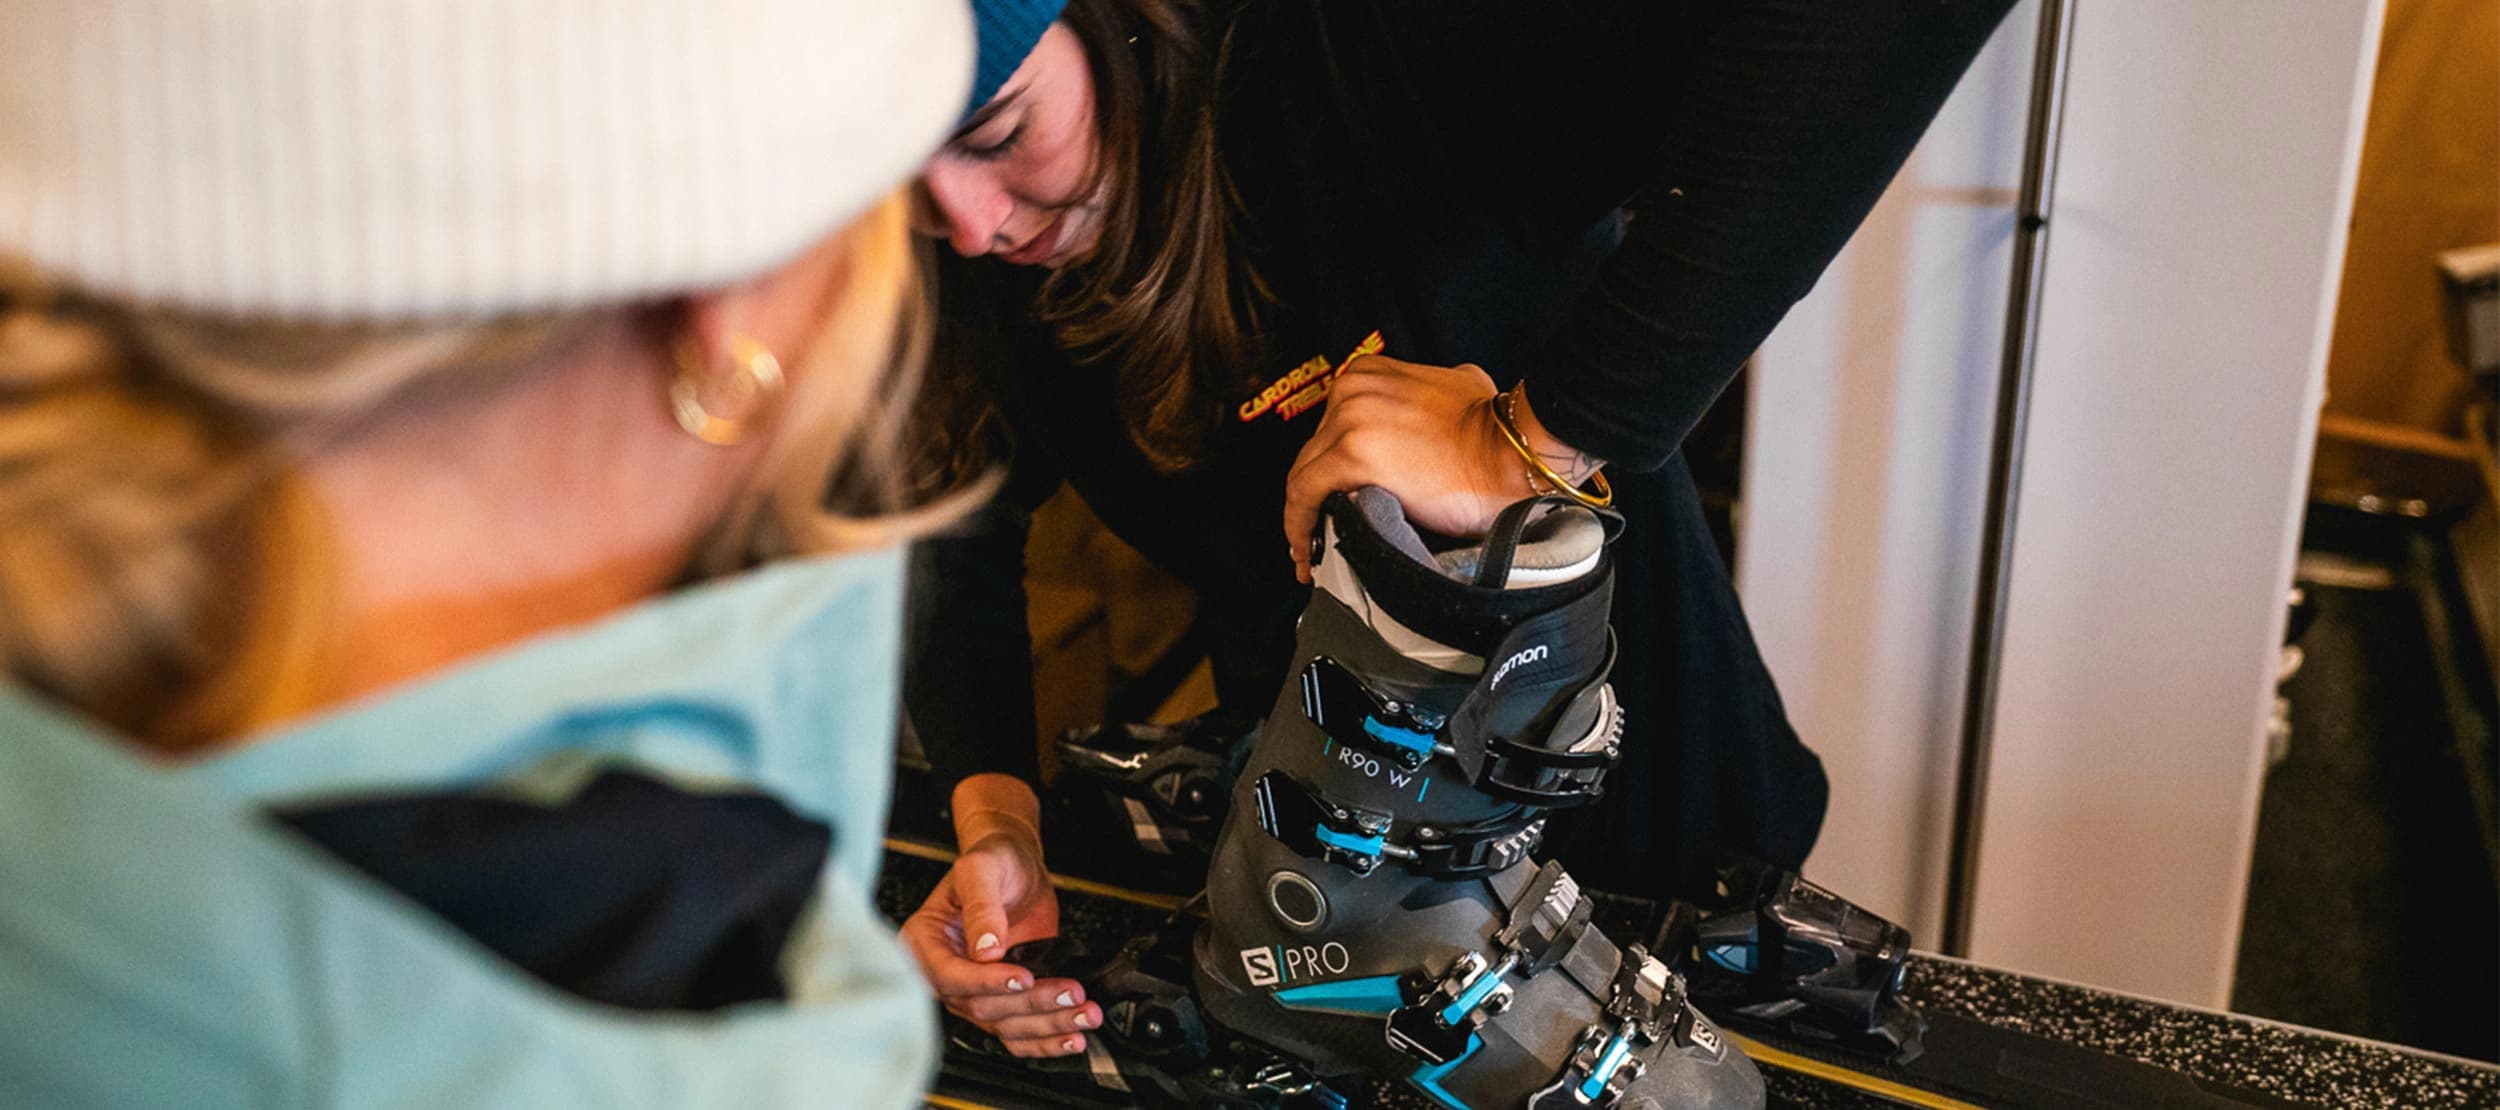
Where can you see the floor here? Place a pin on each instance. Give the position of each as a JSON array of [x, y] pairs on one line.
[[2372, 905]]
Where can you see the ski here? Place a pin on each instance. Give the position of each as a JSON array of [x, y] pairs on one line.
[[1964, 1062]]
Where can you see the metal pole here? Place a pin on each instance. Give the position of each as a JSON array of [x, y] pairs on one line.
[[2050, 54]]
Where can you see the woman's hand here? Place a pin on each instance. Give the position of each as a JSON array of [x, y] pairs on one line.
[[998, 895], [1424, 433]]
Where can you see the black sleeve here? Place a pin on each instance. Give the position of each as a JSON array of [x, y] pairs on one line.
[[967, 652], [968, 655], [1781, 124]]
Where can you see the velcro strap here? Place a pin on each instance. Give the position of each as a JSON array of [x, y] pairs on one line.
[[1535, 771], [1539, 771]]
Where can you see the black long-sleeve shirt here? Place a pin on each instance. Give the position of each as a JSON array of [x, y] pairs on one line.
[[1452, 175]]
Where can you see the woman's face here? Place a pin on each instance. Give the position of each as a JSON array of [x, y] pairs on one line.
[[1017, 180]]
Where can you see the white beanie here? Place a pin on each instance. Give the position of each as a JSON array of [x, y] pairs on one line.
[[376, 159]]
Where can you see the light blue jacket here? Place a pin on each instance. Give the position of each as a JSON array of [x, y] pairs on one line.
[[163, 944]]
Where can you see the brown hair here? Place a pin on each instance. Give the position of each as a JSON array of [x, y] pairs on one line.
[[1166, 298], [162, 568]]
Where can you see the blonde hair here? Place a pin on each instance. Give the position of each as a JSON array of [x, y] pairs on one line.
[[163, 570]]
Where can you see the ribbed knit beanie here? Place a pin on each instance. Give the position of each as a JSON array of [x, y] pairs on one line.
[[1009, 28], [364, 159]]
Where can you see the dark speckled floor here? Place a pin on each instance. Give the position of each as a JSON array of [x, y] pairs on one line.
[[2371, 904]]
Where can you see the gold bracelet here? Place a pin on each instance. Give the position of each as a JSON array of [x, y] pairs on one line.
[[1508, 421]]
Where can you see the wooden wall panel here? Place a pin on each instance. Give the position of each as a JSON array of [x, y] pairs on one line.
[[2430, 181]]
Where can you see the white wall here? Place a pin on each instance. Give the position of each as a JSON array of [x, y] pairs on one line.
[[2197, 240], [2205, 182], [1866, 473]]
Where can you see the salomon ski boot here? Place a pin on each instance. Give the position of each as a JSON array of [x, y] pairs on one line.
[[1372, 907]]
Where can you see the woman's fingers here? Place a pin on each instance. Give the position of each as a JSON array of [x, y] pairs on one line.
[[1045, 1047], [955, 977], [1423, 432], [984, 928], [1311, 480], [1048, 1020], [1044, 1027], [935, 936], [1050, 996]]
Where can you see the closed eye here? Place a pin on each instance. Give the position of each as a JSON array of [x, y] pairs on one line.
[[991, 152]]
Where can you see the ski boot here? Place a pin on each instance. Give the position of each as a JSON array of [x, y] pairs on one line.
[[1778, 954], [1372, 907]]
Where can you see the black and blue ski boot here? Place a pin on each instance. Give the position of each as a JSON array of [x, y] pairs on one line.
[[1373, 907]]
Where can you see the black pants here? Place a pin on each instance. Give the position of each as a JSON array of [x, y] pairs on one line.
[[1710, 764]]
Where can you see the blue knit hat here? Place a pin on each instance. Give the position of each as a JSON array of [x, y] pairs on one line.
[[1008, 30]]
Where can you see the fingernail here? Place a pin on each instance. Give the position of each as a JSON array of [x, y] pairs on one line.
[[1084, 1021], [1017, 984], [1065, 999], [988, 941], [1073, 1044]]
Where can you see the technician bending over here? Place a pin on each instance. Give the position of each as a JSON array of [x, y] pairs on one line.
[[1205, 211]]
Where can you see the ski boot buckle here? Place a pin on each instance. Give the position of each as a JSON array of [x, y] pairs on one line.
[[1322, 829], [1349, 712], [1439, 1020], [1602, 1067], [1438, 1024], [1604, 1063], [1358, 839]]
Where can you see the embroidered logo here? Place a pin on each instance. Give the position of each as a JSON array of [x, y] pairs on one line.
[[1305, 386]]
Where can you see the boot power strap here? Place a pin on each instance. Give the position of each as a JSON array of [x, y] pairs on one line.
[[1552, 772], [1407, 735], [1322, 828]]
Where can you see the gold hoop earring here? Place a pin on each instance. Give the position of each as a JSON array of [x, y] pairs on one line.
[[758, 383]]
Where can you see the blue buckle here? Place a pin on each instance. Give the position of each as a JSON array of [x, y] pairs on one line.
[[1322, 828], [1439, 1020], [1351, 714], [1316, 827]]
